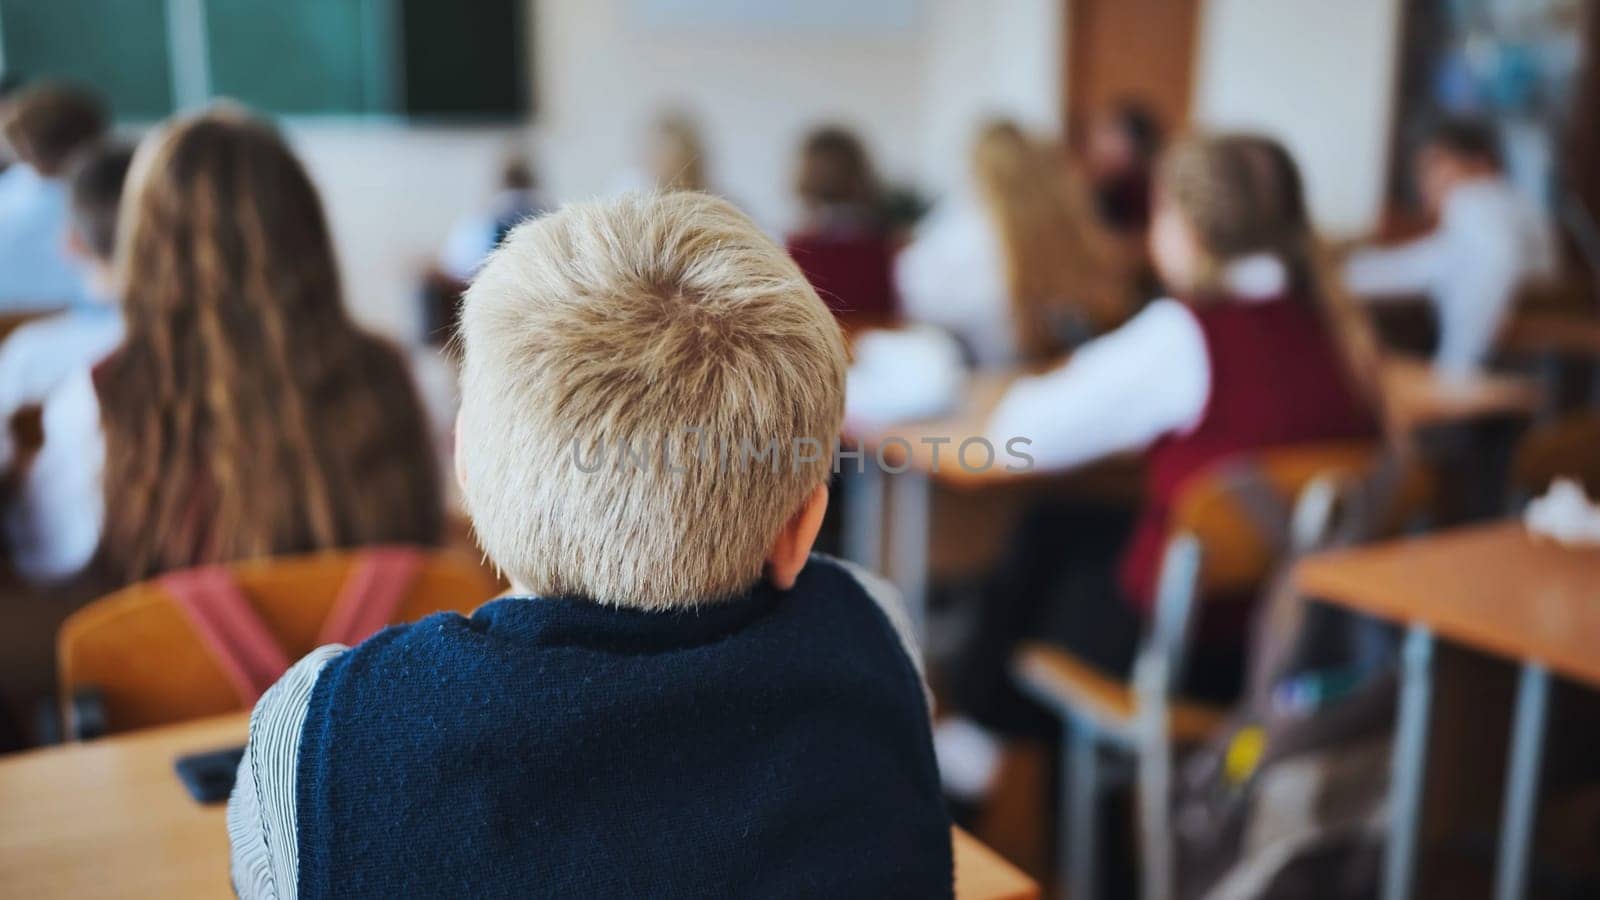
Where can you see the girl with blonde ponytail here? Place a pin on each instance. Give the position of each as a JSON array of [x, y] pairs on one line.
[[1258, 348]]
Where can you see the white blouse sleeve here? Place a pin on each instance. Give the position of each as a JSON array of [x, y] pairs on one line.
[[53, 525], [1117, 393], [1380, 273], [952, 276]]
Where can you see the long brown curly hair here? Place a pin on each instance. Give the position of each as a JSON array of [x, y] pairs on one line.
[[246, 414]]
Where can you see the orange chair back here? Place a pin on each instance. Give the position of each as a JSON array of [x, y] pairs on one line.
[[1240, 510], [141, 652]]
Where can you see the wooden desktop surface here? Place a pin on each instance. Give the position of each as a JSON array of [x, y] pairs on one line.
[[1421, 398], [1558, 334], [1494, 588], [109, 818]]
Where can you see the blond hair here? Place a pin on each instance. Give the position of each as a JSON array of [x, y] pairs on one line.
[[625, 324], [1058, 263]]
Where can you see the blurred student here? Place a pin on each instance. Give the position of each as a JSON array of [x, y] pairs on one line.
[[39, 355], [677, 699], [673, 158], [46, 127], [1015, 265], [244, 415], [1262, 349], [1489, 241], [1120, 157], [677, 154], [472, 238], [842, 243]]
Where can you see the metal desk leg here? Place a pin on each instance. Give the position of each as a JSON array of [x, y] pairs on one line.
[[1406, 770], [911, 499], [1081, 777], [1522, 782], [862, 539]]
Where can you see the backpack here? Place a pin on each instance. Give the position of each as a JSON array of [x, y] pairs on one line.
[[1289, 797]]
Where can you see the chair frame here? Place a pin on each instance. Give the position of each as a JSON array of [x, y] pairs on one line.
[[1146, 738]]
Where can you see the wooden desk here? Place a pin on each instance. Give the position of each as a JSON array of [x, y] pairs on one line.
[[908, 451], [1421, 397], [110, 819], [1552, 334], [1492, 588]]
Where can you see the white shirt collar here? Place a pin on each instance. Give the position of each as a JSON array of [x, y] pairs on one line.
[[1259, 276]]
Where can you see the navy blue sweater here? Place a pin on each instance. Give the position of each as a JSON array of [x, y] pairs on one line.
[[776, 745]]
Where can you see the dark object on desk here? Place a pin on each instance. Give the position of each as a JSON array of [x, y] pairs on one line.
[[209, 776]]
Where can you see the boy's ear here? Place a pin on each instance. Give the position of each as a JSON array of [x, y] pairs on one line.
[[793, 545]]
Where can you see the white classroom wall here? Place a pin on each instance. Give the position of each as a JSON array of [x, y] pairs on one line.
[[604, 73], [1319, 76], [914, 91], [983, 60]]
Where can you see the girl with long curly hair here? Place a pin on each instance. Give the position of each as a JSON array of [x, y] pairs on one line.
[[245, 414]]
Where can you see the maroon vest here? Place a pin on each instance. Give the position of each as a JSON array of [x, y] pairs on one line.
[[851, 272], [1277, 377]]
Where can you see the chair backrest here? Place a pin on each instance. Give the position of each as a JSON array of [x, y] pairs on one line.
[[1240, 512], [142, 651]]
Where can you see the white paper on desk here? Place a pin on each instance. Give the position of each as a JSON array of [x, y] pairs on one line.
[[1565, 513], [903, 376]]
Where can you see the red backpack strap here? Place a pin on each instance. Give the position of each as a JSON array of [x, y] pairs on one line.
[[230, 629], [378, 582]]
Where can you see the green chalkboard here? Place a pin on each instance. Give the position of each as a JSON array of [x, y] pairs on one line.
[[302, 57], [425, 58], [464, 59], [118, 47]]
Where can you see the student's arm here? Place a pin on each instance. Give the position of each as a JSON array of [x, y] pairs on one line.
[[1380, 273], [261, 812], [1119, 392], [53, 522], [1477, 288]]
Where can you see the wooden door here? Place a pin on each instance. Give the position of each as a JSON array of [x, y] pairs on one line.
[[1130, 50]]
